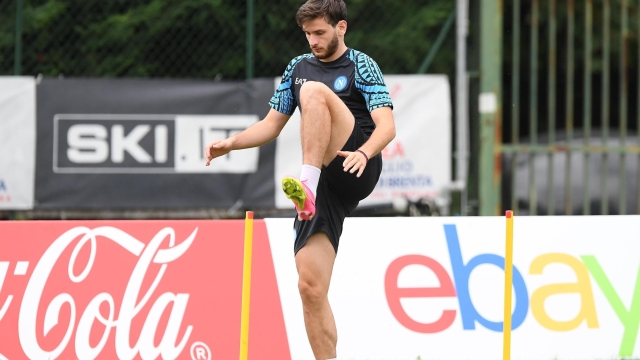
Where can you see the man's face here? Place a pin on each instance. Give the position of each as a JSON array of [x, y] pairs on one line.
[[322, 37]]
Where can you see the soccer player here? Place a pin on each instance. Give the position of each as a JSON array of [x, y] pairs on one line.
[[346, 121]]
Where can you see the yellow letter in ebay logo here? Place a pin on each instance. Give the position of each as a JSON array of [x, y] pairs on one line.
[[582, 287]]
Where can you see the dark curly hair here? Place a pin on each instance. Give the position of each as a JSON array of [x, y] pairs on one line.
[[332, 11]]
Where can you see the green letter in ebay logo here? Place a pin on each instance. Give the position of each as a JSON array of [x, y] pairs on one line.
[[630, 319]]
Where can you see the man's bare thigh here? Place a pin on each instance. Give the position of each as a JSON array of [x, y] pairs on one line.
[[342, 120]]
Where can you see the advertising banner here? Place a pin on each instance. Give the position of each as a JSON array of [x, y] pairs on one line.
[[432, 288], [17, 142], [136, 144], [132, 143], [416, 164], [402, 289], [134, 290]]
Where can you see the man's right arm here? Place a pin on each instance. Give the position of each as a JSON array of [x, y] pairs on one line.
[[282, 103], [257, 134], [261, 132]]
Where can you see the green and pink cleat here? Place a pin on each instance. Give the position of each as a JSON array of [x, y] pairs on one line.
[[303, 198]]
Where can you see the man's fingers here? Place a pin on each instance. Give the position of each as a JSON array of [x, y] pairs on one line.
[[349, 162], [355, 167], [207, 154], [352, 162], [211, 149]]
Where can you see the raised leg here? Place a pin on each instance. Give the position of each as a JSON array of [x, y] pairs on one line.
[[326, 124]]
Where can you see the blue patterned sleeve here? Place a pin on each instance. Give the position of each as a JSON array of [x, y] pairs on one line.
[[370, 82], [283, 100]]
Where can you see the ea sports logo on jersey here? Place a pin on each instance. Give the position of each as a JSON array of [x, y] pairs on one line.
[[340, 83]]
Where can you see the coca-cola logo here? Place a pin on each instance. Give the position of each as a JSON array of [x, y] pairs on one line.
[[117, 319], [133, 290]]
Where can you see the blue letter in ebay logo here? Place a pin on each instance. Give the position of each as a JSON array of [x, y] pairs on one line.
[[461, 273]]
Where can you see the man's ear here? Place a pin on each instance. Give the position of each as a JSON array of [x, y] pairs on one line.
[[342, 27]]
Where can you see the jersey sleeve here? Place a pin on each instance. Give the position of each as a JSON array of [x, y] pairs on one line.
[[284, 100], [370, 82]]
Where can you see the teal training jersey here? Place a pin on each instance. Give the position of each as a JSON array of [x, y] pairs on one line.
[[354, 77]]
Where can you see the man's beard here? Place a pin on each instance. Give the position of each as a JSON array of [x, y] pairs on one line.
[[331, 48]]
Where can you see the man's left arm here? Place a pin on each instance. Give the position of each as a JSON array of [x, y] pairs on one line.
[[383, 134]]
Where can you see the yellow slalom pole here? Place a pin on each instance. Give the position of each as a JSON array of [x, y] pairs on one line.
[[508, 281], [246, 285]]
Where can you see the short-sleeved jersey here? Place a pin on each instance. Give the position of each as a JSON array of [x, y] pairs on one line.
[[354, 77]]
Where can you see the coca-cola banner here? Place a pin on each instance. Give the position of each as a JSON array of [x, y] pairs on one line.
[[17, 142], [135, 290], [138, 143]]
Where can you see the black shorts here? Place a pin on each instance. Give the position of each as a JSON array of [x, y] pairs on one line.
[[338, 194]]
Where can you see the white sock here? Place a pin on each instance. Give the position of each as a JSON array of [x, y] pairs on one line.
[[311, 176]]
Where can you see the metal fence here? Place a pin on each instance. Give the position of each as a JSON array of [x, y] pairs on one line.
[[212, 39], [571, 115]]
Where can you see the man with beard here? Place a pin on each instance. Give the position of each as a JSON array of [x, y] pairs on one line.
[[346, 121]]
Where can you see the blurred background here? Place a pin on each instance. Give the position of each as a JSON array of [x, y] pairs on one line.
[[207, 39], [544, 93]]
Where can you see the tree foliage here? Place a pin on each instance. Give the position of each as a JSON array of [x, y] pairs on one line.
[[207, 38]]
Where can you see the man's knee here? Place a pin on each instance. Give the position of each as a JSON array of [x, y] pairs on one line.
[[311, 291], [313, 91]]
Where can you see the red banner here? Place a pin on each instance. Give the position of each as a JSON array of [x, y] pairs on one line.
[[135, 290]]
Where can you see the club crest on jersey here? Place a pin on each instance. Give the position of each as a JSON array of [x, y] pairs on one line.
[[340, 83]]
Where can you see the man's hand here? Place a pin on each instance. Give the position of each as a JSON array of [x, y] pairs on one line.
[[217, 148], [354, 161]]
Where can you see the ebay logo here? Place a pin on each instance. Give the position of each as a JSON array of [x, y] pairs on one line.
[[526, 299]]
